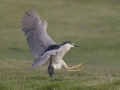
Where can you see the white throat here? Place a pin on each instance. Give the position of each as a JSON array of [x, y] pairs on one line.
[[67, 47]]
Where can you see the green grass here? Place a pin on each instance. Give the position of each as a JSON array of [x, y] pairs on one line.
[[17, 75], [94, 25]]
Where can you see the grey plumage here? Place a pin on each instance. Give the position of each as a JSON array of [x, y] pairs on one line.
[[37, 38], [42, 59], [41, 45]]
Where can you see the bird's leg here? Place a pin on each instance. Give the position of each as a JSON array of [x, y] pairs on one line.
[[72, 68], [77, 66], [77, 70]]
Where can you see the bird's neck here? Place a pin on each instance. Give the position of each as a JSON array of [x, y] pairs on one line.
[[64, 50]]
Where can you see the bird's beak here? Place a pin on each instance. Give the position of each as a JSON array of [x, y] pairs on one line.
[[75, 45]]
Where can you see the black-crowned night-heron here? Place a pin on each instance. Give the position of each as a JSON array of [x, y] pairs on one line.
[[42, 46]]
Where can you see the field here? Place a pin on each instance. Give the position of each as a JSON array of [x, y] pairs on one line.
[[16, 75], [93, 25]]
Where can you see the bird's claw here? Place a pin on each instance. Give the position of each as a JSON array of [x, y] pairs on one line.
[[75, 68]]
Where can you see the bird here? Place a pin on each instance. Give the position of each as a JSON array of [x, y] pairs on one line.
[[42, 46]]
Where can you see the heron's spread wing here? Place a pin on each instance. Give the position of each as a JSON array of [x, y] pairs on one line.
[[42, 59], [37, 38]]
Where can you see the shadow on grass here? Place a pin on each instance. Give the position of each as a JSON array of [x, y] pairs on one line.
[[53, 86], [3, 87], [37, 78]]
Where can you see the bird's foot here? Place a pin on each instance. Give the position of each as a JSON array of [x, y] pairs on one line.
[[78, 70], [76, 67]]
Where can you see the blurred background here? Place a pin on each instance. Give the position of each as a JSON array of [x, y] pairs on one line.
[[94, 25]]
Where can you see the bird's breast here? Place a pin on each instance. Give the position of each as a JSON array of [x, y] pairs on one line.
[[56, 65], [57, 56], [56, 59]]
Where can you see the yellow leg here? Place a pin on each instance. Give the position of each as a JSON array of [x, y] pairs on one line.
[[75, 70], [77, 66]]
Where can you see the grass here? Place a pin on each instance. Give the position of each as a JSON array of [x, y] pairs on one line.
[[16, 75], [93, 25]]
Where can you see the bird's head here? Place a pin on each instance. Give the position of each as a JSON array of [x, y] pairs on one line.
[[68, 44]]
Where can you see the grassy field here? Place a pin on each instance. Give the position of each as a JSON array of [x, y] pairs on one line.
[[94, 25], [16, 75]]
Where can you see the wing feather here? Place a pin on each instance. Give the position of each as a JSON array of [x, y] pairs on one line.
[[42, 59], [37, 38]]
